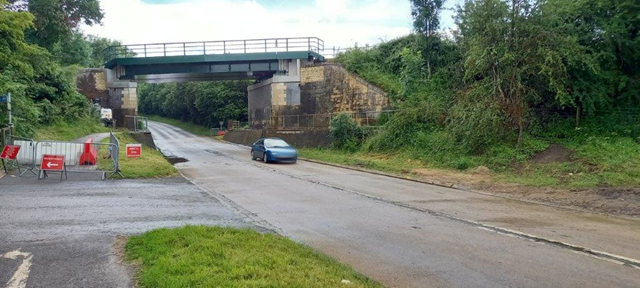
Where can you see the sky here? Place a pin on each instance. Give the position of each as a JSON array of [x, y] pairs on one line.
[[340, 23]]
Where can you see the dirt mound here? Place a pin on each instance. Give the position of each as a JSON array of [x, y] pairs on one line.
[[482, 170], [556, 153]]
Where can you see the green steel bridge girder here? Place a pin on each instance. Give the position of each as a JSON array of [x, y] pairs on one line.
[[215, 63]]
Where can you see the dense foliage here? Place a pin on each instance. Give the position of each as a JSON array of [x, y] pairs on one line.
[[512, 72], [346, 133], [203, 103], [39, 70]]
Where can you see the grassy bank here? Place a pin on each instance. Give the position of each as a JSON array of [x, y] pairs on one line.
[[594, 162], [199, 256], [152, 164], [193, 128], [66, 131]]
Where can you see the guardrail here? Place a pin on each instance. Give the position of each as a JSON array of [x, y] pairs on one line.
[[311, 44]]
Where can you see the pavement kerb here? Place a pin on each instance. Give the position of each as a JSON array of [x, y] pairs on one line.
[[450, 186]]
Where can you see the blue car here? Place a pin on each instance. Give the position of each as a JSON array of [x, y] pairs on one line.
[[273, 150]]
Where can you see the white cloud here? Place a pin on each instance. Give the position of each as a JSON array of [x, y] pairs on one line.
[[338, 22]]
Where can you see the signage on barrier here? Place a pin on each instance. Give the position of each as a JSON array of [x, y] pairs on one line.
[[134, 150], [52, 163], [10, 152]]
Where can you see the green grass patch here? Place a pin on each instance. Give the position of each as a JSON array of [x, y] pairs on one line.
[[152, 164], [67, 131], [391, 162], [200, 256], [193, 128], [610, 161]]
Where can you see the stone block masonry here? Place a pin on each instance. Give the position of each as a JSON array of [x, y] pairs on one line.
[[101, 86], [320, 89], [329, 88]]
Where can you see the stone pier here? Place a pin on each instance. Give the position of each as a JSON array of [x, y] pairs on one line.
[[101, 86]]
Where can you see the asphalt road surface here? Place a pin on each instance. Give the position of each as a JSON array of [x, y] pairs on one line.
[[62, 234], [408, 234]]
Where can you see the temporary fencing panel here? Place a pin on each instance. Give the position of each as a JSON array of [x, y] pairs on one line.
[[79, 156]]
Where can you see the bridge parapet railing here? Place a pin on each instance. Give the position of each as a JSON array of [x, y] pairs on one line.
[[297, 44]]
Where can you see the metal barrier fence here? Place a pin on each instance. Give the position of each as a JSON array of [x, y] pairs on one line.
[[235, 125], [79, 157], [314, 121], [140, 123], [86, 157], [115, 155]]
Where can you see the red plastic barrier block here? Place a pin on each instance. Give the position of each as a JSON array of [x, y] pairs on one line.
[[90, 154]]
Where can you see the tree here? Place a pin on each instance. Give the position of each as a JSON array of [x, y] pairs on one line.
[[55, 20], [98, 44], [74, 50], [426, 20], [203, 103], [42, 91]]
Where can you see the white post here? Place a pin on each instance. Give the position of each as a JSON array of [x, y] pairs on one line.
[[9, 108]]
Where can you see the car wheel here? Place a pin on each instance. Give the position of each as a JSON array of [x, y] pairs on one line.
[[252, 156], [264, 157]]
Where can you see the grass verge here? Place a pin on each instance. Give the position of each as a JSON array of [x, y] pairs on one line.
[[64, 131], [152, 164], [200, 256], [597, 162], [193, 128]]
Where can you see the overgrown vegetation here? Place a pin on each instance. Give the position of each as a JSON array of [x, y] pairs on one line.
[[67, 131], [200, 256], [515, 77], [346, 133], [202, 103], [41, 51]]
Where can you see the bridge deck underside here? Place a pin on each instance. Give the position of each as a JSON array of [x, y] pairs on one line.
[[204, 67]]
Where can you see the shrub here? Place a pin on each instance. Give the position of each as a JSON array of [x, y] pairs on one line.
[[346, 133]]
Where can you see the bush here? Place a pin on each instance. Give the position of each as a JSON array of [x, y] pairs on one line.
[[346, 133], [477, 124]]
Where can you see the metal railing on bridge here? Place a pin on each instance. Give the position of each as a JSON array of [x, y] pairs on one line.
[[297, 44]]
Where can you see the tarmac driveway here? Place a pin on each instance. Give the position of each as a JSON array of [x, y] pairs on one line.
[[62, 234]]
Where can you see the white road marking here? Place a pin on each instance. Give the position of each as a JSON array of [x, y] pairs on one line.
[[19, 279]]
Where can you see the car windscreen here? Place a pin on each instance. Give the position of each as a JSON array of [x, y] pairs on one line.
[[275, 143]]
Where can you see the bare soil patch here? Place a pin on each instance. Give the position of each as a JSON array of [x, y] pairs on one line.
[[619, 201], [555, 153]]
